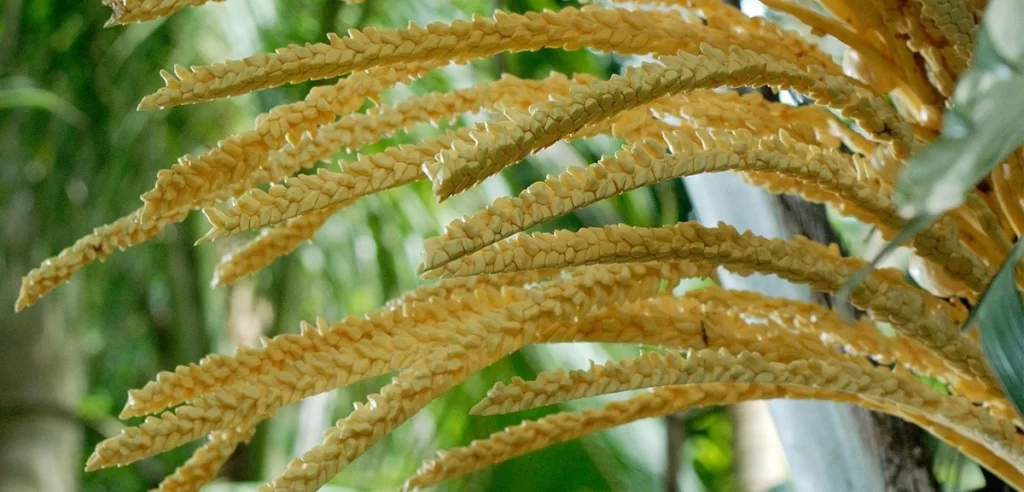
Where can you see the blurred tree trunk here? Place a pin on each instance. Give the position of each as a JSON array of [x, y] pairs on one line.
[[824, 449], [41, 382], [905, 461]]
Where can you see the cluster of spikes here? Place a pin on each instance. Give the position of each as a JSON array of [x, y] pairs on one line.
[[501, 288]]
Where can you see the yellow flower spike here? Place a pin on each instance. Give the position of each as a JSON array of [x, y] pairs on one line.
[[429, 378], [643, 164], [800, 260], [194, 179], [206, 461], [919, 92], [877, 57], [680, 325], [807, 317], [330, 189], [187, 382], [952, 26], [534, 435], [459, 287], [320, 360], [251, 400], [98, 245], [732, 111], [822, 25], [138, 227], [400, 165], [958, 256], [459, 168], [708, 366], [271, 244], [670, 271], [781, 185], [610, 30], [922, 41], [859, 337], [128, 11], [727, 27]]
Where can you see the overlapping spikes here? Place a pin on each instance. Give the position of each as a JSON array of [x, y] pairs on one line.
[[609, 284]]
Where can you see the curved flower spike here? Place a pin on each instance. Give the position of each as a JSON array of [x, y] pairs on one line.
[[533, 435]]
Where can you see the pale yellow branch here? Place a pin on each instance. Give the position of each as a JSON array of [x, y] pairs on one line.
[[611, 30], [128, 11], [531, 436], [465, 165], [648, 162], [913, 312], [707, 366], [206, 461]]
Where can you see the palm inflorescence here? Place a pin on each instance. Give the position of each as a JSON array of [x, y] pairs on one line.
[[500, 288]]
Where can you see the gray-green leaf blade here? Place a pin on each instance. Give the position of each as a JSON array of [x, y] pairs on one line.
[[1001, 315]]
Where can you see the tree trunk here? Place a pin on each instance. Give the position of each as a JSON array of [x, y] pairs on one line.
[[824, 449], [41, 382], [905, 462]]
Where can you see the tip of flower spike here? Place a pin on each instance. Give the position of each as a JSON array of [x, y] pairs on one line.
[[417, 482], [27, 296], [22, 302], [212, 235], [216, 281], [429, 274], [131, 407], [440, 180], [484, 407], [217, 220], [95, 462], [147, 103], [117, 13], [224, 275]]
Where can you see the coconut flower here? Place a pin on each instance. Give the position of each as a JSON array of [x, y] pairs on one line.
[[501, 288]]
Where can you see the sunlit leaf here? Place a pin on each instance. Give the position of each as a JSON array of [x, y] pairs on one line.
[[1001, 315]]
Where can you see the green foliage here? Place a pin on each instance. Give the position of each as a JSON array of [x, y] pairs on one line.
[[1000, 313]]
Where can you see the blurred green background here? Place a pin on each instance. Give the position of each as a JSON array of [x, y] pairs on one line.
[[75, 154]]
